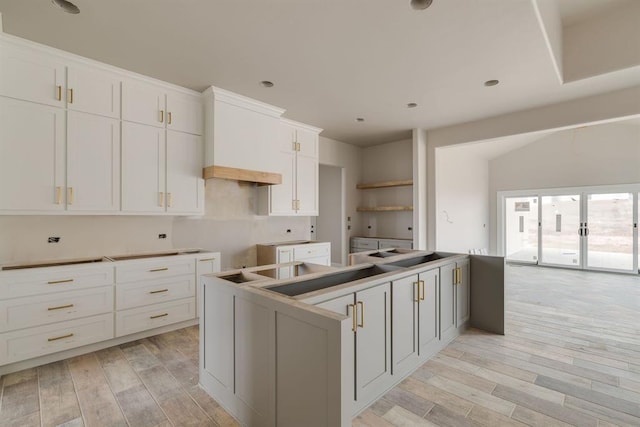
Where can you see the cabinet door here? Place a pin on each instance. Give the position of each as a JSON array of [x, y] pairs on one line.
[[463, 294], [428, 313], [308, 142], [285, 255], [217, 330], [307, 185], [206, 265], [92, 90], [282, 196], [143, 168], [447, 302], [185, 186], [143, 103], [373, 344], [185, 113], [93, 162], [404, 330], [32, 76], [31, 156]]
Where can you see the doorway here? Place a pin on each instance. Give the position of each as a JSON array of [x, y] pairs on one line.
[[593, 228], [329, 225]]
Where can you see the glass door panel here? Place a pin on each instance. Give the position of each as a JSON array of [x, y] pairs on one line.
[[560, 241], [609, 231], [521, 236]]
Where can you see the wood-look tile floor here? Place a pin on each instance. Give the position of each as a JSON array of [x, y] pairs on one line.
[[571, 356]]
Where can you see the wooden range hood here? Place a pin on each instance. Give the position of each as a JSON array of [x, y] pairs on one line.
[[246, 175]]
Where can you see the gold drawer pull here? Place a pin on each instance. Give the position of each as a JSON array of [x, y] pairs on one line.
[[153, 270], [161, 116], [361, 304], [207, 259], [59, 93], [70, 96], [60, 338], [169, 117], [159, 315], [354, 313], [58, 195], [55, 282], [421, 289], [60, 307], [160, 291]]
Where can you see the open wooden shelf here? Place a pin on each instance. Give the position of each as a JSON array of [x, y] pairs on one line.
[[384, 208], [385, 184]]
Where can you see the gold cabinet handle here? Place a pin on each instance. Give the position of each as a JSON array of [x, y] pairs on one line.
[[297, 146], [159, 291], [416, 291], [153, 270], [161, 116], [361, 304], [58, 195], [421, 289], [70, 96], [60, 338], [59, 93], [70, 195], [161, 198], [158, 315], [169, 117], [207, 259], [60, 307], [354, 326], [169, 199], [55, 282]]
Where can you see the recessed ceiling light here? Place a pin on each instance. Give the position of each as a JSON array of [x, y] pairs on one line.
[[421, 4], [491, 82], [67, 6], [359, 119], [412, 105], [266, 83]]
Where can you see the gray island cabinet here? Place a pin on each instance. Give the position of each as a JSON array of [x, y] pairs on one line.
[[318, 348]]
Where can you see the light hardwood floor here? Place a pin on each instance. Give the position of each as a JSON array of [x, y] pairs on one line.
[[571, 356]]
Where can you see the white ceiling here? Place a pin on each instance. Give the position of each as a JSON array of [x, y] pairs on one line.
[[332, 60]]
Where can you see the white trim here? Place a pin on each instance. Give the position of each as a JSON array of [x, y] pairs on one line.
[[231, 98]]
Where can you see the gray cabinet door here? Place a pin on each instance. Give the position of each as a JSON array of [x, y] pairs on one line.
[[373, 344], [217, 331], [463, 293], [447, 301], [404, 313], [428, 312]]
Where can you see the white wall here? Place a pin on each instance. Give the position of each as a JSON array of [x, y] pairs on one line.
[[23, 239], [462, 200], [388, 162], [329, 221], [587, 156], [230, 224], [349, 157]]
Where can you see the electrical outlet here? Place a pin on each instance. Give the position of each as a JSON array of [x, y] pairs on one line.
[[53, 240], [162, 236]]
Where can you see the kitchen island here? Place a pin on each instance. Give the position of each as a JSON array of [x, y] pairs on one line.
[[318, 348]]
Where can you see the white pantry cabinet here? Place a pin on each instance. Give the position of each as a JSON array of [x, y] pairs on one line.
[[297, 160], [32, 156], [154, 105]]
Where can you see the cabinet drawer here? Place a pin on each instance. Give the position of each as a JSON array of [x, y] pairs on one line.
[[364, 244], [38, 310], [136, 294], [47, 280], [34, 342], [323, 260], [395, 243], [310, 251], [154, 316], [156, 269]]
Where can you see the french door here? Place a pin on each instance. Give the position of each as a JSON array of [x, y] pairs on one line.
[[594, 230]]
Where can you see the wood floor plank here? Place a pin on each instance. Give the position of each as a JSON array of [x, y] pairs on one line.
[[487, 417], [31, 420], [433, 394], [212, 408], [630, 384], [20, 398], [139, 407], [381, 406], [526, 387], [575, 370], [58, 400], [409, 401], [160, 383], [99, 406], [512, 371], [443, 417], [182, 410], [368, 419], [536, 419], [117, 369], [602, 412], [624, 373], [619, 392], [487, 400], [422, 374], [139, 356], [401, 417], [479, 383]]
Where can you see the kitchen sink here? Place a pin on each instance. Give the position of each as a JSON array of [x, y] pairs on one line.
[[410, 262], [55, 263], [311, 285]]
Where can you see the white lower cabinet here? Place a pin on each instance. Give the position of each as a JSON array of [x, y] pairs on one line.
[[154, 316], [370, 310], [206, 264], [129, 295]]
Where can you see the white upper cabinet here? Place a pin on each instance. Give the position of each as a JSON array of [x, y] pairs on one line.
[[32, 157], [185, 187], [154, 105], [143, 168], [185, 113], [143, 103], [32, 76], [297, 159], [92, 90], [93, 162]]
